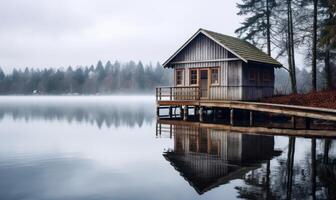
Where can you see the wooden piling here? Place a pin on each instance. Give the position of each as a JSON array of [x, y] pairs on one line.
[[293, 122], [214, 112], [251, 118], [307, 123], [158, 111], [181, 111], [200, 113], [232, 116], [170, 111], [185, 113]]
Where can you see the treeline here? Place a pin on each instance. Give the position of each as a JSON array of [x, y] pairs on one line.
[[287, 28], [283, 84], [106, 78]]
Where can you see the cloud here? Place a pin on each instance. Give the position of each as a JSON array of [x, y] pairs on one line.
[[42, 33]]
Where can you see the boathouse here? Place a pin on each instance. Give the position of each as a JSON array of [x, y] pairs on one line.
[[213, 66]]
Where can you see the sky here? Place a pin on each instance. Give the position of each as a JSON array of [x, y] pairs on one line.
[[59, 33]]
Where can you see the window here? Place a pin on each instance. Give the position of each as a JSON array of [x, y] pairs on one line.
[[215, 76], [253, 74], [179, 77], [193, 76]]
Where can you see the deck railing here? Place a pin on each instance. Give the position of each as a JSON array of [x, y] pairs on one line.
[[214, 93], [177, 93]]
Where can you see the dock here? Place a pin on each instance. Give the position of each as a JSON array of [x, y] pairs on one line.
[[168, 98]]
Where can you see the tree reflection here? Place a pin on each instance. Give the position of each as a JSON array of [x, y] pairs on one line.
[[305, 170], [100, 114]]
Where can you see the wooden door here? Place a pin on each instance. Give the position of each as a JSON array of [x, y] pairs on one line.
[[204, 83]]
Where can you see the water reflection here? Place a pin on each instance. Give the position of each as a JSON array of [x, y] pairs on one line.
[[99, 111], [210, 157], [207, 158]]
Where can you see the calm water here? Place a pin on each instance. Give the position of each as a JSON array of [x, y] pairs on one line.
[[112, 148]]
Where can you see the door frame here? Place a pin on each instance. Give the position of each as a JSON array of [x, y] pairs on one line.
[[208, 79]]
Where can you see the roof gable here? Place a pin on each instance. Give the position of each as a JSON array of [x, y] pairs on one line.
[[240, 48]]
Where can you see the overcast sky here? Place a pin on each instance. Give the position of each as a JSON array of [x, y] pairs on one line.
[[59, 33]]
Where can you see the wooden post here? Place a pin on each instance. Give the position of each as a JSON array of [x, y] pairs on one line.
[[156, 129], [170, 131], [158, 111], [170, 111], [214, 112], [294, 122], [171, 93], [195, 111], [181, 111], [156, 94], [251, 118], [231, 116], [200, 113], [185, 116], [307, 122]]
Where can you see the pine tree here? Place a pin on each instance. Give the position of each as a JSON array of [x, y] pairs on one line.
[[328, 36], [314, 48], [257, 25]]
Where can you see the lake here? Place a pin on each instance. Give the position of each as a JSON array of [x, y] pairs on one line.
[[101, 147]]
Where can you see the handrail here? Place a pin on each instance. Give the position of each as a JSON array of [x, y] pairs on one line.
[[177, 93]]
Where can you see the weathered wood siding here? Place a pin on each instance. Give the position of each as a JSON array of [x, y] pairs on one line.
[[201, 48], [259, 88], [231, 81], [234, 81]]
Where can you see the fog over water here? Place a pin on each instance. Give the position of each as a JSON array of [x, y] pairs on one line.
[[110, 147]]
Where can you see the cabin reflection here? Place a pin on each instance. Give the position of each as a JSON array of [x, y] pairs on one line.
[[207, 158]]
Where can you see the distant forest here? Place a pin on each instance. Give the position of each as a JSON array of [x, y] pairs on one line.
[[116, 78], [106, 78]]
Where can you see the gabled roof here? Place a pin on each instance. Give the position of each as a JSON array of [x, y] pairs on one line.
[[240, 48]]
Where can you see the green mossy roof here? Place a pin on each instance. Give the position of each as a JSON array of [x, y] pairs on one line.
[[242, 48]]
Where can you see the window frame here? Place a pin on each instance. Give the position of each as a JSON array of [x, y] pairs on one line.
[[176, 77], [190, 74], [218, 75]]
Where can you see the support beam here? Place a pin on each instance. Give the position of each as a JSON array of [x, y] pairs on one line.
[[214, 112], [181, 111], [251, 118], [293, 122], [158, 111], [196, 111], [185, 113], [307, 122], [232, 116], [170, 111], [200, 113]]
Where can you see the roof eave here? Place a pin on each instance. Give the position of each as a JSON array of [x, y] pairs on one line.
[[276, 65]]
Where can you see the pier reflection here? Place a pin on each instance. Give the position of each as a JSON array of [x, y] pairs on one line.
[[208, 156]]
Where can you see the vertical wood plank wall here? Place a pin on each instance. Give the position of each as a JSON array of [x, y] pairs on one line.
[[233, 74], [255, 89]]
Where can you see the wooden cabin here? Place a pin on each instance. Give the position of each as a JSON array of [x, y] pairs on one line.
[[213, 66]]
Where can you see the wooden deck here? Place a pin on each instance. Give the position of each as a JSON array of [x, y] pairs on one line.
[[192, 97], [299, 111]]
